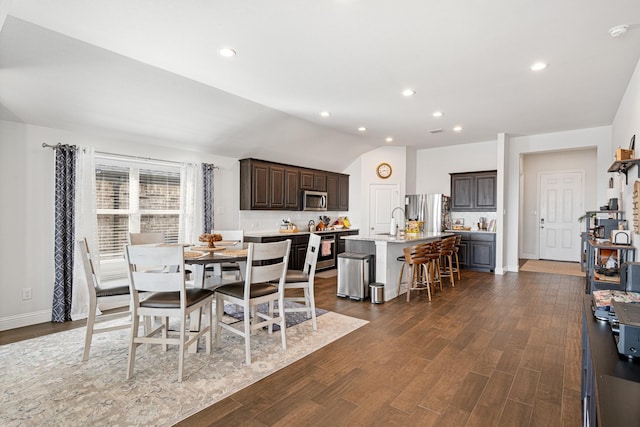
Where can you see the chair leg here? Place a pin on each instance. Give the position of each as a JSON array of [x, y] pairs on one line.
[[135, 319], [425, 270], [402, 267], [209, 313], [219, 313], [165, 329], [247, 334], [181, 349], [283, 322], [451, 276], [457, 264], [91, 321], [312, 306]]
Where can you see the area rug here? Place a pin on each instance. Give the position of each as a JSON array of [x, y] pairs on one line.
[[44, 381], [553, 267], [234, 315]]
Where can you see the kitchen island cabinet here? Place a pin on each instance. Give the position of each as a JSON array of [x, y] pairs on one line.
[[386, 249]]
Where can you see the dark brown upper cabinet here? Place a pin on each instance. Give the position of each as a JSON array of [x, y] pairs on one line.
[[274, 186], [268, 186], [474, 191], [337, 192]]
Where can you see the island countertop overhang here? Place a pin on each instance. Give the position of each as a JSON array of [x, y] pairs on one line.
[[402, 239]]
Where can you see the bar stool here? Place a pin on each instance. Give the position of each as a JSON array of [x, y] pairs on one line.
[[417, 257], [446, 255], [434, 263], [456, 269]]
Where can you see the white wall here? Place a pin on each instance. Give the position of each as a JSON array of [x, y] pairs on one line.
[[434, 165], [594, 138], [363, 174], [533, 165], [27, 190], [626, 124]]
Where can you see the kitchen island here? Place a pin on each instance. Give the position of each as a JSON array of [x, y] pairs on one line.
[[386, 249]]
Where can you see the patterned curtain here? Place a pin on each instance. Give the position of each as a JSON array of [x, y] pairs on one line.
[[207, 197], [64, 231]]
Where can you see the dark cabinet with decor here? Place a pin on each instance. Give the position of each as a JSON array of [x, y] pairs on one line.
[[313, 180], [474, 191], [265, 185], [274, 186], [337, 192], [477, 251]]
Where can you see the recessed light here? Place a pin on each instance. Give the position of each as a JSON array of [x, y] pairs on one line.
[[438, 114], [618, 30], [325, 113], [408, 92], [389, 139], [457, 129], [227, 52], [362, 129], [539, 66]]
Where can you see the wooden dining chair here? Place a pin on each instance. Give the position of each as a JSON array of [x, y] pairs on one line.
[[167, 297], [266, 263], [304, 279], [97, 293], [146, 238]]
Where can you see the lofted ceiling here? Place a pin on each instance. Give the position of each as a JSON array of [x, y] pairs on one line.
[[149, 71]]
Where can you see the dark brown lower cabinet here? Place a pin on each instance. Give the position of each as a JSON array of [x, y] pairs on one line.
[[478, 251]]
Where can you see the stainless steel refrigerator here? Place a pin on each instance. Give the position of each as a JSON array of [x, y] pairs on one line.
[[433, 209]]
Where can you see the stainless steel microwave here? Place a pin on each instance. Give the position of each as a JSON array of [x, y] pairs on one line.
[[314, 201]]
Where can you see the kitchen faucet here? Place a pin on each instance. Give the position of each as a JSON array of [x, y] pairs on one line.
[[393, 222]]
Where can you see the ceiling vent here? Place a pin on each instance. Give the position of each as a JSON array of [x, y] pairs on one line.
[[439, 130]]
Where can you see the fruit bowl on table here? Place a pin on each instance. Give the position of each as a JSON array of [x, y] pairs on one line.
[[338, 226]]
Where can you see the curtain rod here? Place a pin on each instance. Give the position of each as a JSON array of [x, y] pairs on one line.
[[58, 145], [125, 156], [148, 159]]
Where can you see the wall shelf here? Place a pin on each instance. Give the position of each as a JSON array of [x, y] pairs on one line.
[[623, 166]]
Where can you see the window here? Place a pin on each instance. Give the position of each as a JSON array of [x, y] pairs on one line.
[[133, 197]]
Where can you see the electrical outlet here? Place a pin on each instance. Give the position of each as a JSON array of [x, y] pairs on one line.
[[26, 293]]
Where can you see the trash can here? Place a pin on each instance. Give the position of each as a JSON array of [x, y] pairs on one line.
[[377, 293], [354, 275]]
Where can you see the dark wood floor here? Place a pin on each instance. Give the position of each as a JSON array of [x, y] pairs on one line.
[[494, 351]]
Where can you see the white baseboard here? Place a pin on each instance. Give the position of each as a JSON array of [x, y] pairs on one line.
[[25, 319]]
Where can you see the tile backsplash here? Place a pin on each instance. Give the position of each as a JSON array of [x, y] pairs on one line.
[[471, 219], [270, 220]]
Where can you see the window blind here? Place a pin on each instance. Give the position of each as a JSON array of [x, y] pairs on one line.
[[133, 196]]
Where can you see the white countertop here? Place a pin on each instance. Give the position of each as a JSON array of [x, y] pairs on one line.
[[401, 239], [471, 231], [297, 233]]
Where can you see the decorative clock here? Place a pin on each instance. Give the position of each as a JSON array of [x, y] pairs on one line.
[[383, 170]]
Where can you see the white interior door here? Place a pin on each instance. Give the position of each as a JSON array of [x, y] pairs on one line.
[[382, 199], [561, 204]]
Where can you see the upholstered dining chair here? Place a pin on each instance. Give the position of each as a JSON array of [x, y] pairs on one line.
[[168, 297], [304, 279], [266, 263], [96, 293]]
